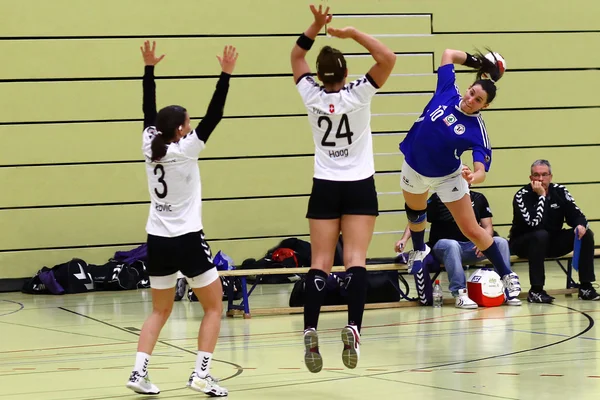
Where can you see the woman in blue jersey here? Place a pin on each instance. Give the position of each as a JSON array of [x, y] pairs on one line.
[[343, 196], [175, 236], [449, 125]]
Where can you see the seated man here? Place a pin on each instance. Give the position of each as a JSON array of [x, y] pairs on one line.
[[451, 248], [539, 212]]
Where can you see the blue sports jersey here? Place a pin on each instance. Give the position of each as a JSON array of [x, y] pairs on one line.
[[437, 139]]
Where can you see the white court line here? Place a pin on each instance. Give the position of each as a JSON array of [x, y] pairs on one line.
[[402, 34], [395, 114], [395, 75], [406, 94], [389, 134], [382, 16], [397, 55]]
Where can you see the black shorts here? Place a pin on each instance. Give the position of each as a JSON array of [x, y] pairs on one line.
[[332, 199], [187, 253]]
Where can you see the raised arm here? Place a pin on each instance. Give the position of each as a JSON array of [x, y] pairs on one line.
[[214, 113], [476, 61], [149, 86], [305, 41], [385, 59]]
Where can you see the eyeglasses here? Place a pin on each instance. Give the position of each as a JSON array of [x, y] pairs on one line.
[[543, 175]]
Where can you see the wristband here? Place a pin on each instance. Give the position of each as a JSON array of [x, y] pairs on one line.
[[304, 42]]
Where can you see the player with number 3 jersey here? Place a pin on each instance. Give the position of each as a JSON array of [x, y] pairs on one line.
[[343, 196], [175, 236]]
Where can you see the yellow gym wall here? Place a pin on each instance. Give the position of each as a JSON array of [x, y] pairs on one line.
[[71, 170]]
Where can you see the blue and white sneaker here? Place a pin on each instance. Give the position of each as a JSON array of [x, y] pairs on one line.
[[512, 289], [463, 300], [415, 259]]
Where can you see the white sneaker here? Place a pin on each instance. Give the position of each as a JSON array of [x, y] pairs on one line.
[[415, 259], [141, 384], [208, 385], [351, 352], [513, 302], [463, 300], [512, 287], [312, 357]]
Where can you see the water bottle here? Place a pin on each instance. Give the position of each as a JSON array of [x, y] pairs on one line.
[[438, 297]]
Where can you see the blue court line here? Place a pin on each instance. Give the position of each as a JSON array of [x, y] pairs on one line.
[[15, 311], [550, 334]]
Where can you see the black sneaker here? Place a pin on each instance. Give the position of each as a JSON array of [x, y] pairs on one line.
[[588, 294], [539, 297]]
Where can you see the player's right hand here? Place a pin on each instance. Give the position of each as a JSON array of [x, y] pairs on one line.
[[399, 247], [538, 188], [321, 18], [228, 60]]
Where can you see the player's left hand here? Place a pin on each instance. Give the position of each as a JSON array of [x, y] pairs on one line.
[[467, 174], [580, 229], [149, 53], [478, 252]]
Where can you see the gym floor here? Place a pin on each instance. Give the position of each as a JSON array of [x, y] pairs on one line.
[[83, 347]]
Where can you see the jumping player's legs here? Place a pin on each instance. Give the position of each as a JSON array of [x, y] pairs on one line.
[[415, 190], [357, 231]]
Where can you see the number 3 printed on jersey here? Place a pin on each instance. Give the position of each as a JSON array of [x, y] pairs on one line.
[[344, 124], [161, 179]]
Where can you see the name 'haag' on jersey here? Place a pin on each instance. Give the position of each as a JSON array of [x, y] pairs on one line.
[[340, 122]]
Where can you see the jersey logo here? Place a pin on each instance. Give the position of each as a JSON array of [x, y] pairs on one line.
[[331, 108], [459, 129], [487, 159], [450, 119]]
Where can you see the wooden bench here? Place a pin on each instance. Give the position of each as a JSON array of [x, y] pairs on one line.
[[244, 307]]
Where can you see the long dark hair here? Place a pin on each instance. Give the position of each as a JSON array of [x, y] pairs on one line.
[[168, 121]]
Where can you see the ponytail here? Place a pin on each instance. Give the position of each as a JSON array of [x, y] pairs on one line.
[[159, 147], [168, 121]]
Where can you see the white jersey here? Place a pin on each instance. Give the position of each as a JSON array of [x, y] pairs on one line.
[[341, 125], [174, 186]]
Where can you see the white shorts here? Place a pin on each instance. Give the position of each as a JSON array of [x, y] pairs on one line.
[[169, 281], [450, 187]]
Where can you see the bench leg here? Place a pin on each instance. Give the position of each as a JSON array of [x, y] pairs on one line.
[[569, 272]]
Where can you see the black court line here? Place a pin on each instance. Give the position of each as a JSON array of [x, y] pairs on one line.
[[267, 75], [240, 369], [210, 240], [21, 306], [379, 375], [258, 116], [278, 156], [237, 198]]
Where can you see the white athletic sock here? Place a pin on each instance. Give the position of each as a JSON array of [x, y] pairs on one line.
[[141, 363], [203, 364]]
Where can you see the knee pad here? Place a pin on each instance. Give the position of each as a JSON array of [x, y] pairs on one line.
[[415, 216]]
